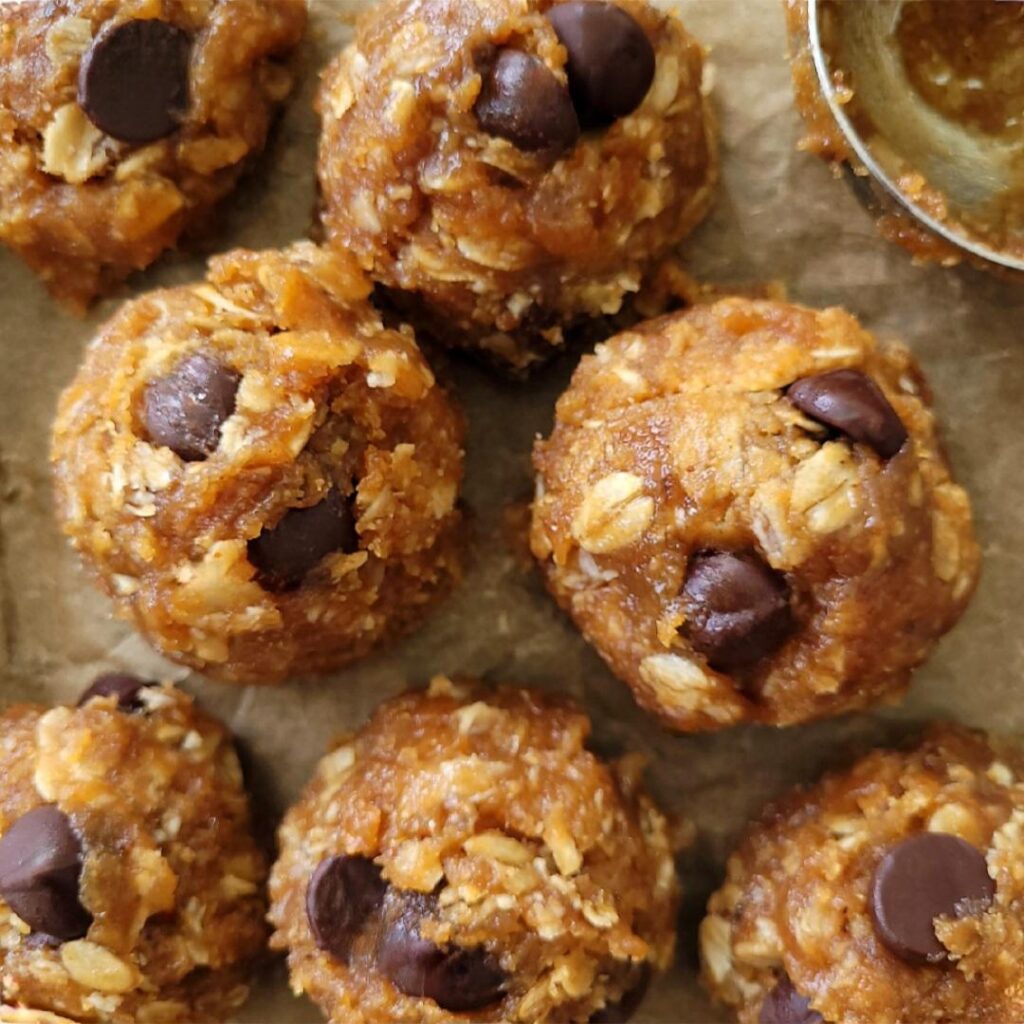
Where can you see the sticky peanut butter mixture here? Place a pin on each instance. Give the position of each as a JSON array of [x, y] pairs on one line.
[[131, 890], [885, 894], [261, 476], [464, 857], [747, 511], [512, 168], [122, 123]]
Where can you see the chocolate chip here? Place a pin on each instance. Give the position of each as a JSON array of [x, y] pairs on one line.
[[133, 81], [521, 100], [286, 553], [623, 1010], [784, 1005], [340, 897], [927, 876], [611, 60], [851, 402], [40, 868], [186, 409], [124, 687], [737, 608], [457, 979]]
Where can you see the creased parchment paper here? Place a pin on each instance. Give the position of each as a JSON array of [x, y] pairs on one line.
[[780, 214]]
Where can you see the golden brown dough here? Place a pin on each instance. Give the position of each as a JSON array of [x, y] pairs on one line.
[[487, 867], [84, 208], [500, 244], [168, 874], [260, 474], [732, 558], [795, 913]]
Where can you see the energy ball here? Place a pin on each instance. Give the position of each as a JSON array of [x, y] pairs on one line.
[[891, 892], [131, 888], [512, 169], [261, 476], [746, 510], [464, 856], [122, 124]]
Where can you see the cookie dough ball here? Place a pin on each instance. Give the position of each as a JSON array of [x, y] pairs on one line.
[[261, 476], [514, 166], [122, 124], [465, 857], [888, 893], [130, 884], [746, 510]]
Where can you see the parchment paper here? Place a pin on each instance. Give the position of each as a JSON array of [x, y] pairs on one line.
[[780, 214]]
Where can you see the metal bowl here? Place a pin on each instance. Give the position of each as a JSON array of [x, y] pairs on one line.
[[897, 131]]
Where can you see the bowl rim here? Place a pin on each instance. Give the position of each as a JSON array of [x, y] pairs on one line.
[[863, 153]]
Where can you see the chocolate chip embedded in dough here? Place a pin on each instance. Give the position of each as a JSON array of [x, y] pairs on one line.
[[611, 60], [186, 409], [737, 608], [851, 402], [341, 896], [133, 80], [521, 100], [124, 687], [927, 876], [287, 552], [784, 1005], [40, 869], [458, 979]]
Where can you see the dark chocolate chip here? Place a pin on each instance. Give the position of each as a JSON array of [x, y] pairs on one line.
[[186, 409], [125, 688], [623, 1010], [851, 402], [133, 81], [737, 608], [457, 979], [521, 100], [40, 868], [784, 1005], [927, 876], [340, 897], [286, 553], [611, 60]]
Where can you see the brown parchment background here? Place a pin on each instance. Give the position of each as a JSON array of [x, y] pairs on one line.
[[780, 214]]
